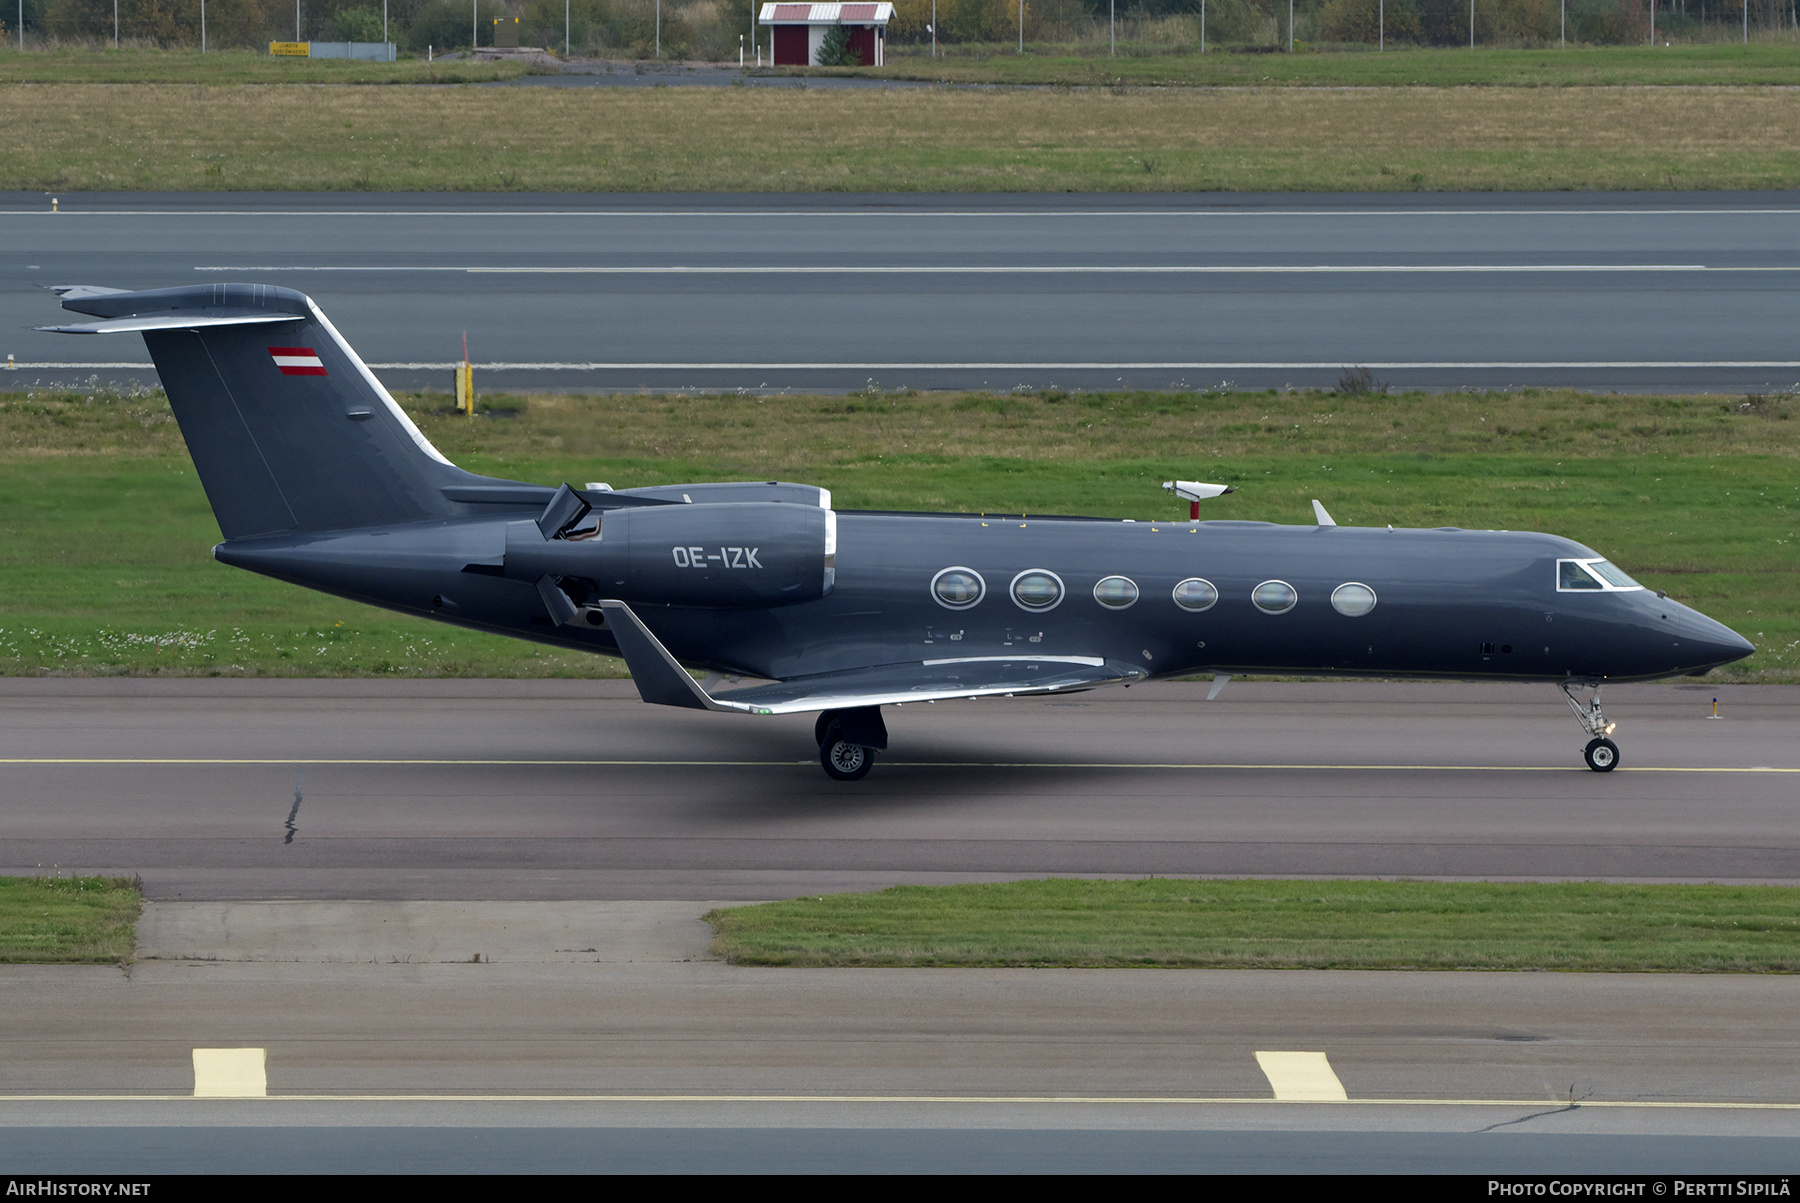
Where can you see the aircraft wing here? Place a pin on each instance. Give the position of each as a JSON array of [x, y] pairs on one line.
[[660, 679]]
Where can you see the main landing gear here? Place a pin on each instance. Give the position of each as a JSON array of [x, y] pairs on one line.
[[848, 741], [1601, 753]]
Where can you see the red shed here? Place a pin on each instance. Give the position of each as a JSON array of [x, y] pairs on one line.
[[797, 30]]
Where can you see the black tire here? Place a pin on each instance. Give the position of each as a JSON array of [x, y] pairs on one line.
[[1602, 755], [845, 761], [826, 718]]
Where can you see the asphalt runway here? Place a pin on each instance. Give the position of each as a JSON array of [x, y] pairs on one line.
[[216, 789], [630, 1050], [1653, 291]]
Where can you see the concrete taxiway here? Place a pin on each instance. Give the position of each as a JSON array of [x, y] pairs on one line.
[[1657, 292]]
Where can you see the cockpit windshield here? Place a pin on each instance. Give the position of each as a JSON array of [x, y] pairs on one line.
[[1611, 574], [1573, 574], [1595, 575]]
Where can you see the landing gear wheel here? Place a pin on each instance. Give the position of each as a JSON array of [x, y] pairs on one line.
[[845, 761], [826, 718], [1602, 755]]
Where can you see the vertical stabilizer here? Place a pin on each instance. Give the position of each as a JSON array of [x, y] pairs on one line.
[[288, 428]]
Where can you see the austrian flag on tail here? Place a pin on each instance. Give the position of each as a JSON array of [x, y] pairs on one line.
[[297, 361]]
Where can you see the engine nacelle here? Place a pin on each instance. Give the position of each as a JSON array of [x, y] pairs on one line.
[[749, 555]]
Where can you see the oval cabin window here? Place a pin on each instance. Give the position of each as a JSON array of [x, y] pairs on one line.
[[1353, 600], [1196, 595], [1274, 597], [1037, 589], [1116, 592], [958, 588]]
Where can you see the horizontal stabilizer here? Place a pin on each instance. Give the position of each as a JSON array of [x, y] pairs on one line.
[[76, 292], [172, 321]]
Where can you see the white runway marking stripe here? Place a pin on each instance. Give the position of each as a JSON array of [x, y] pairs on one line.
[[1301, 1077], [888, 764], [1323, 365], [914, 1099], [863, 214], [230, 1073], [966, 269]]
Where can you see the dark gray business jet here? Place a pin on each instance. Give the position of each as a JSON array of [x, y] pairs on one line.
[[317, 477]]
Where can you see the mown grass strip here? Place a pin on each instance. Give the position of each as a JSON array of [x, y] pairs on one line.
[[177, 137], [61, 920], [144, 65], [1770, 62], [1255, 924]]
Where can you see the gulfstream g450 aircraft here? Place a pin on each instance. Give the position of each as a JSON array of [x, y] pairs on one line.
[[317, 477]]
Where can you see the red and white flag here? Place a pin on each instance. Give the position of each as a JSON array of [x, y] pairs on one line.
[[297, 361]]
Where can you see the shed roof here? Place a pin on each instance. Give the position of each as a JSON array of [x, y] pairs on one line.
[[826, 14]]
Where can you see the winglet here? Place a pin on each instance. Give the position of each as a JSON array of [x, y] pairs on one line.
[[659, 679], [1321, 515]]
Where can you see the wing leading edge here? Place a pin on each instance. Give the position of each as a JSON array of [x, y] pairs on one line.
[[661, 680]]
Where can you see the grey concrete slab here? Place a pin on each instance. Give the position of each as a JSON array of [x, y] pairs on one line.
[[576, 790], [413, 932], [1535, 1042], [1664, 292]]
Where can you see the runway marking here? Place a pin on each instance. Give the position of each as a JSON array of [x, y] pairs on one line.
[[289, 761], [864, 213], [970, 269], [230, 1073], [1329, 365], [915, 1099], [1302, 1077]]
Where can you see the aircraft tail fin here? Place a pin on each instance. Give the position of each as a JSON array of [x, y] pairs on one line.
[[288, 428]]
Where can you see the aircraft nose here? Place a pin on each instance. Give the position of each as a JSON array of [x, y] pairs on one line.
[[1707, 644]]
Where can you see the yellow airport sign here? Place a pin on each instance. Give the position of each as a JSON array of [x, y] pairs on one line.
[[297, 49]]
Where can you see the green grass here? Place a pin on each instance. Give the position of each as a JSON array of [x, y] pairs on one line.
[[149, 66], [1587, 66], [45, 920], [105, 533], [1245, 924], [72, 137]]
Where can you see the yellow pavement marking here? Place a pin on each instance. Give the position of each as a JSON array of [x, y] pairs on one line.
[[1302, 1077], [230, 1073], [1021, 1100], [886, 764]]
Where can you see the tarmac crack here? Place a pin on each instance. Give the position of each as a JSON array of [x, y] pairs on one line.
[[294, 813]]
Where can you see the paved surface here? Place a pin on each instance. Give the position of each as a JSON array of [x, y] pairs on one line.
[[1634, 291], [576, 790], [402, 933], [509, 1065]]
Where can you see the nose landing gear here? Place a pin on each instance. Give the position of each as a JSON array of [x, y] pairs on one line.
[[1601, 753]]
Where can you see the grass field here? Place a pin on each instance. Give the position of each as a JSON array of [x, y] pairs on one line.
[[145, 66], [1087, 65], [1246, 924], [1585, 66], [150, 136], [46, 920], [105, 534]]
